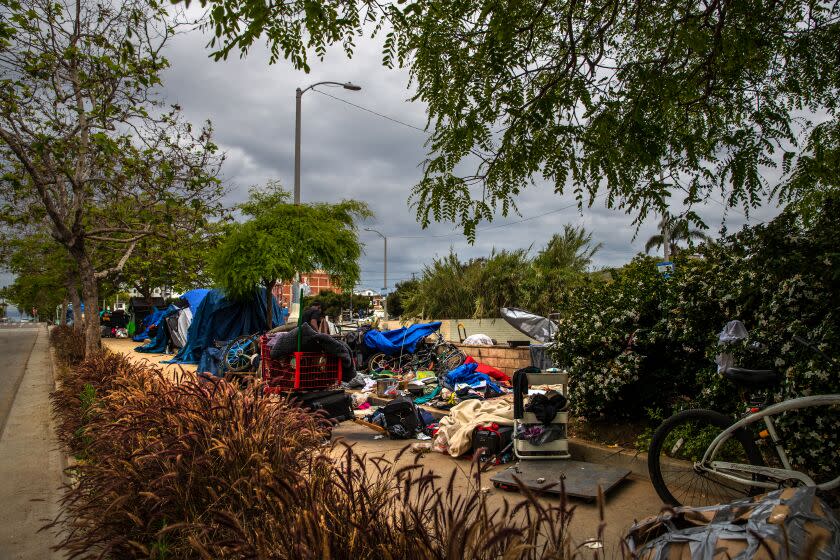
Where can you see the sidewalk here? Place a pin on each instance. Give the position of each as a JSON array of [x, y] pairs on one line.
[[30, 463]]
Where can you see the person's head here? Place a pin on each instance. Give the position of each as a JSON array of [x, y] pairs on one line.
[[316, 304]]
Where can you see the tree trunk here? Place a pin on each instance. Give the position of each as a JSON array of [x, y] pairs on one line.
[[90, 293], [62, 320], [73, 289], [269, 307]]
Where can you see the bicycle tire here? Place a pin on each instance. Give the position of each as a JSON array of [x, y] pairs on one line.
[[239, 352], [693, 487], [378, 362], [449, 359]]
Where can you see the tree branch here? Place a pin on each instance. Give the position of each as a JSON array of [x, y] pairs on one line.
[[119, 266]]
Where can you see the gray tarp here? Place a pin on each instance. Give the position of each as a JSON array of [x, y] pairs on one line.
[[537, 327]]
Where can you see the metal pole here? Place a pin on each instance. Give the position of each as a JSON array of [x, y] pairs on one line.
[[298, 95], [296, 282], [385, 288]]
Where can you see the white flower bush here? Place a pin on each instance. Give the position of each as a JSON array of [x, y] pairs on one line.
[[780, 279]]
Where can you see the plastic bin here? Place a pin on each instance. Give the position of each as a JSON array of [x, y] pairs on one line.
[[299, 370]]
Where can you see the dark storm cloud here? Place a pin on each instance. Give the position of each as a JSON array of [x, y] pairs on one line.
[[350, 153]]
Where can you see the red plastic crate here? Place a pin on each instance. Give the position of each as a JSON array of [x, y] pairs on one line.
[[299, 370]]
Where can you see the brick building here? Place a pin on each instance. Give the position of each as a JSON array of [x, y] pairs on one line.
[[318, 281]]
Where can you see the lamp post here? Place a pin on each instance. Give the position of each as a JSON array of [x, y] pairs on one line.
[[385, 273], [298, 94]]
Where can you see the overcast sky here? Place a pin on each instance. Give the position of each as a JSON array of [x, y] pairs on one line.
[[350, 153]]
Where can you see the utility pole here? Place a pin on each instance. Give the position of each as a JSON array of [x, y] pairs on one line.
[[298, 95], [666, 224], [385, 273]]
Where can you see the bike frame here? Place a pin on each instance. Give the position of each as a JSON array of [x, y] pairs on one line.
[[708, 463]]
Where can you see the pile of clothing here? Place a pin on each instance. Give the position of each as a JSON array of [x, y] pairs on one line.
[[469, 381], [285, 343]]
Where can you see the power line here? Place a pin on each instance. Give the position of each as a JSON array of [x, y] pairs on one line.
[[497, 226], [371, 111]]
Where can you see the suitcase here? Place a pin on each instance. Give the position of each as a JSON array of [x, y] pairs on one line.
[[493, 442], [335, 404]]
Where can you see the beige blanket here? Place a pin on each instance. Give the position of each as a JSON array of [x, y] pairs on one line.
[[458, 427]]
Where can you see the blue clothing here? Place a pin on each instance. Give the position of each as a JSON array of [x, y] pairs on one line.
[[148, 322], [466, 374]]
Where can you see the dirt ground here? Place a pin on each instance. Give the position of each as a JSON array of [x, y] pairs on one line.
[[126, 346], [633, 499]]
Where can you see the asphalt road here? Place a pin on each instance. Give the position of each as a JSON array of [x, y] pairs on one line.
[[15, 347]]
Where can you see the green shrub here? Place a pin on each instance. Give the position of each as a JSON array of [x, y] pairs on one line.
[[781, 279]]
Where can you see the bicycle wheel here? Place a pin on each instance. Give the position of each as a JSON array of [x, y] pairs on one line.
[[449, 359], [378, 362], [240, 352], [680, 442]]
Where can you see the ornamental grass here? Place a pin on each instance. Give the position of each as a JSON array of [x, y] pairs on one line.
[[205, 469]]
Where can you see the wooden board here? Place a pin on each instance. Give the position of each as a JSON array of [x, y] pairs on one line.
[[580, 479]]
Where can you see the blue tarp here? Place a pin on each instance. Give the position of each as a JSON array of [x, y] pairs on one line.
[[219, 318], [148, 322], [161, 340], [466, 374], [390, 342], [195, 297]]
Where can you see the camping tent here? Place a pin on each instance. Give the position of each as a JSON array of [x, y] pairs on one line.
[[140, 308], [219, 318], [173, 323], [159, 343]]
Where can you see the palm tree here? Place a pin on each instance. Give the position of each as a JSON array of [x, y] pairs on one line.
[[571, 251], [671, 231]]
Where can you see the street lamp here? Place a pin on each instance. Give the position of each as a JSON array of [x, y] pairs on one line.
[[385, 275], [298, 94]]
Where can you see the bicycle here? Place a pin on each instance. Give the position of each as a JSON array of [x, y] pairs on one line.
[[241, 354], [686, 470], [440, 356]]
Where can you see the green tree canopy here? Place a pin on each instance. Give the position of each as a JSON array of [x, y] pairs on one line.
[[478, 288], [87, 149], [177, 258], [333, 303], [281, 238], [559, 265], [671, 231], [41, 267], [642, 101]]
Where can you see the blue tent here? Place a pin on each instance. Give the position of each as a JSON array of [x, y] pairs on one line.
[[149, 321], [219, 318], [161, 340], [195, 297], [390, 342]]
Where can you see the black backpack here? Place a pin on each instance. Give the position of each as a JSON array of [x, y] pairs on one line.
[[402, 419]]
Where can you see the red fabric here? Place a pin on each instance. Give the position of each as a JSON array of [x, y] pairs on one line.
[[488, 427], [490, 371]]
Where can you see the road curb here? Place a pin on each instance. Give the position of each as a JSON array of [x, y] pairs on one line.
[[581, 450]]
